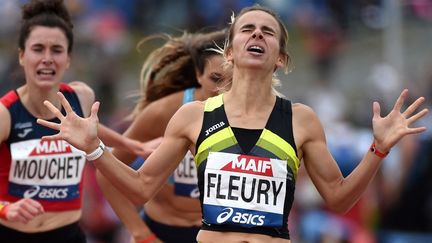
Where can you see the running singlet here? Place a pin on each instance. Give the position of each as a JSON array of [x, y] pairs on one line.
[[185, 177], [246, 192], [47, 171]]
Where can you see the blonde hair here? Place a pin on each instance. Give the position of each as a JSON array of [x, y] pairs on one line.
[[172, 67]]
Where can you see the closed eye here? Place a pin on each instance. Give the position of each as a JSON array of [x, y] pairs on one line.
[[247, 28], [37, 48], [216, 77], [58, 50], [267, 30]]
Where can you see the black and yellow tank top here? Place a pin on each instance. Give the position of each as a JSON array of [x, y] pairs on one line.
[[246, 192]]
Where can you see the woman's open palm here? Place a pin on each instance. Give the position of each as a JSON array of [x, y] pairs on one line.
[[79, 132], [390, 129]]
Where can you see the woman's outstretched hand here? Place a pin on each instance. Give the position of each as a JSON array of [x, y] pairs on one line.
[[390, 129], [79, 132]]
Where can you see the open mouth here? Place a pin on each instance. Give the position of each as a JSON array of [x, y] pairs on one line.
[[256, 49], [46, 72]]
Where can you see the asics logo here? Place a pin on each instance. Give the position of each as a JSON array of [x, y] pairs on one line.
[[225, 215], [33, 191], [46, 193], [240, 218], [195, 193]]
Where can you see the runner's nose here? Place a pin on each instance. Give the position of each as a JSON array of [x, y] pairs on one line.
[[259, 35]]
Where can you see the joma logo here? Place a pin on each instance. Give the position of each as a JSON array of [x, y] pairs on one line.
[[214, 127]]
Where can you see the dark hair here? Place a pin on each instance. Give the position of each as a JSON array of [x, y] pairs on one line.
[[48, 13], [171, 67], [283, 42]]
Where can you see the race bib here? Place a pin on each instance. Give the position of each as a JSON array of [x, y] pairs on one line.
[[45, 170], [185, 178], [243, 190]]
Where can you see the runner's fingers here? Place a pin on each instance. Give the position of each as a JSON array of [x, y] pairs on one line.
[[53, 109], [52, 125], [26, 215], [94, 110], [52, 137], [417, 116], [65, 103], [35, 204], [416, 130], [400, 100], [410, 110], [19, 218], [31, 208]]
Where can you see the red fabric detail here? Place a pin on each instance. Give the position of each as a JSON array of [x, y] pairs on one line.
[[9, 98]]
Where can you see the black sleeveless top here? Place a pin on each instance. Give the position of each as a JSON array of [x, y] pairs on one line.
[[246, 191]]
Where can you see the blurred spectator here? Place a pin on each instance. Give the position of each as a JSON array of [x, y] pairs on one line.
[[406, 202], [9, 16], [422, 9], [405, 191], [99, 221], [385, 81], [317, 224], [323, 26]]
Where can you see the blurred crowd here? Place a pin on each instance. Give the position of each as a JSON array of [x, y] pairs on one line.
[[346, 54]]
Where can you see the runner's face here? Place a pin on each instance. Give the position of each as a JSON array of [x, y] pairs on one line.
[[45, 57], [256, 41], [212, 79]]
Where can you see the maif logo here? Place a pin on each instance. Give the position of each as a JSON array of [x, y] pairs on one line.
[[250, 165], [50, 147], [225, 215]]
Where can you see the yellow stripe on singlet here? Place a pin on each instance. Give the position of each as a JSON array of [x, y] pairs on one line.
[[216, 142], [213, 102], [225, 138], [281, 148]]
